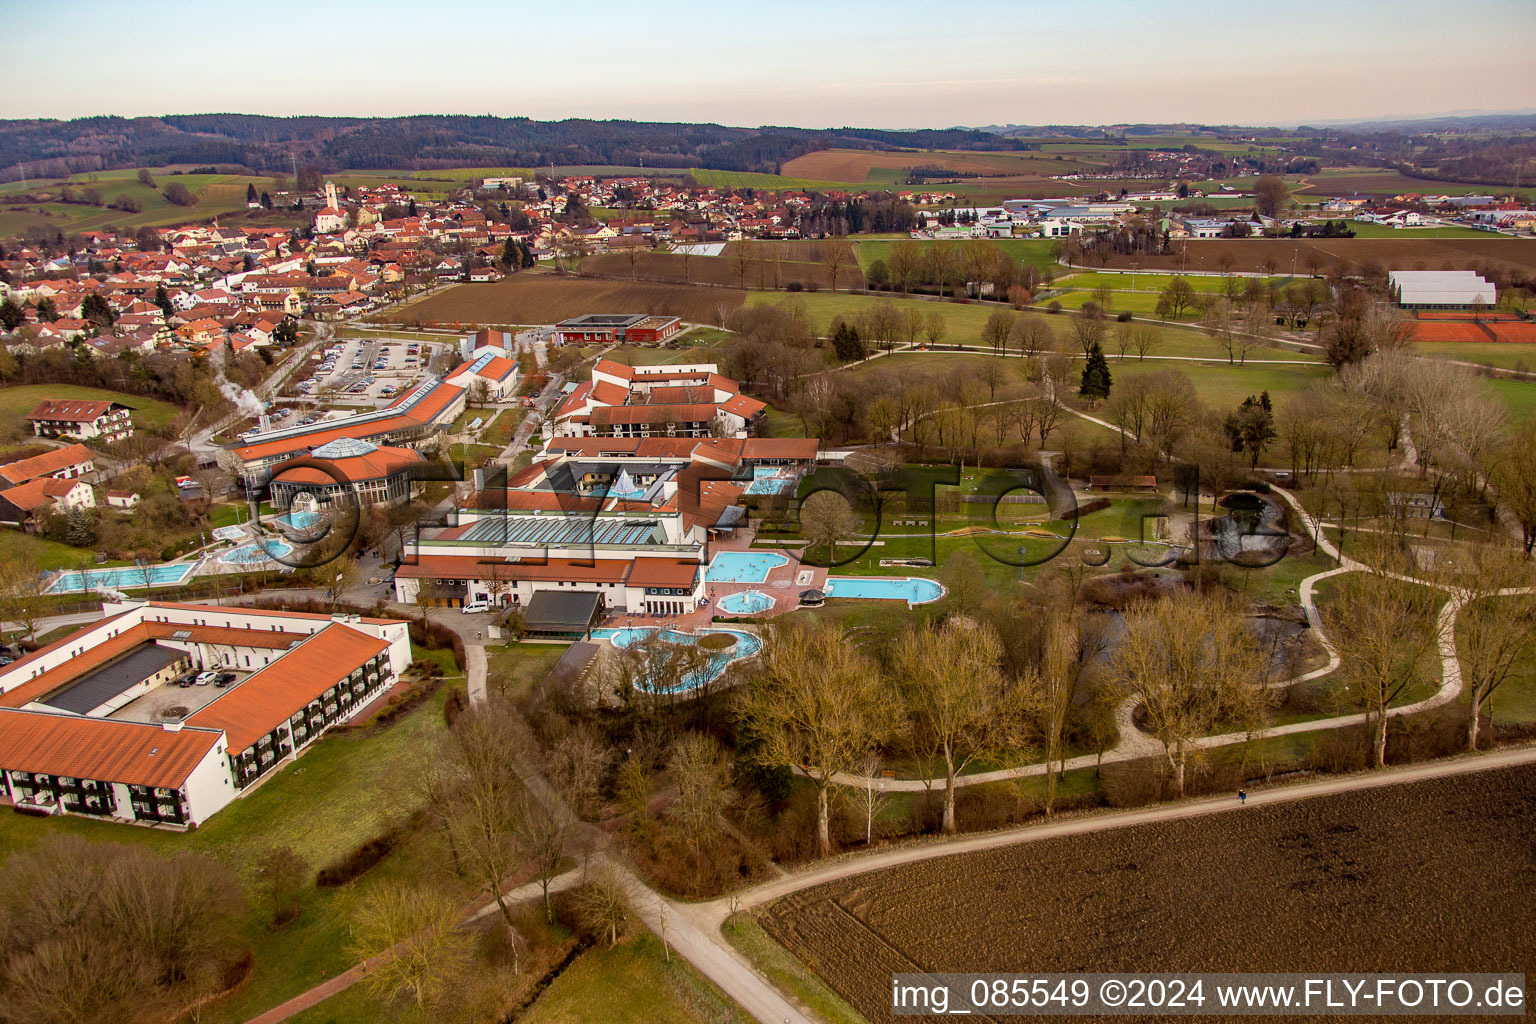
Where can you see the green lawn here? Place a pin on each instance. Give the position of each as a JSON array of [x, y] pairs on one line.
[[339, 793], [633, 982], [1221, 386], [28, 549], [514, 669], [1155, 283], [1365, 229], [1034, 251], [16, 402], [1507, 356], [1519, 397]]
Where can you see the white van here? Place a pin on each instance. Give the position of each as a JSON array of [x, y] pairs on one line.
[[477, 605]]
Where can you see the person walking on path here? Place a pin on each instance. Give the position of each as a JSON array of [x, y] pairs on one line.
[[1242, 796]]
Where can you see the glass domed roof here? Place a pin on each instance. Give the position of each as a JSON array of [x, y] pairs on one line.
[[344, 448]]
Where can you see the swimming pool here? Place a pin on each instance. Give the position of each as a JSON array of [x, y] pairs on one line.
[[911, 589], [300, 520], [771, 485], [251, 554], [743, 566], [748, 602], [126, 577], [747, 644]]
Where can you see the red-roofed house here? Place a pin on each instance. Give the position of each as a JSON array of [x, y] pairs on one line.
[[69, 417]]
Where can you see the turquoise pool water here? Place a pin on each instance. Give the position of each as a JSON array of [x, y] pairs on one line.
[[747, 602], [911, 589], [747, 644], [128, 577], [301, 520], [743, 566], [771, 485], [251, 554]]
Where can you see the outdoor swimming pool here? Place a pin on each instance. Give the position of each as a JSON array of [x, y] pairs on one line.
[[300, 520], [771, 485], [747, 644], [743, 566], [748, 602], [911, 589], [126, 577], [251, 554]]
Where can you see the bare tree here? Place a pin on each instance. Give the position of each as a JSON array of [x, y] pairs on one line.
[[996, 330], [742, 258], [958, 707], [1382, 628], [1144, 339], [1193, 662], [408, 937], [906, 263], [834, 256], [1031, 335], [934, 327], [543, 836], [602, 904], [826, 519], [1495, 628], [816, 704]]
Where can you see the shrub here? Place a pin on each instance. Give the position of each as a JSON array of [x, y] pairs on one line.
[[1054, 307], [1124, 316], [357, 863], [794, 286]]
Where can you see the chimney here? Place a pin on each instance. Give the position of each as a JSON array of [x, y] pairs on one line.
[[477, 478], [171, 726]]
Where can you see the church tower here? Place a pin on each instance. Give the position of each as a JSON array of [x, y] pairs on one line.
[[330, 196]]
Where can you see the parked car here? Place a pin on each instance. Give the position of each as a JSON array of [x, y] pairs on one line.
[[204, 678], [475, 606]]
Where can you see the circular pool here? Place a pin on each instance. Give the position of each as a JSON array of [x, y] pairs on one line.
[[747, 602], [261, 551]]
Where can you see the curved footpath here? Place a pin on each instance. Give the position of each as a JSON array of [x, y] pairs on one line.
[[1134, 745]]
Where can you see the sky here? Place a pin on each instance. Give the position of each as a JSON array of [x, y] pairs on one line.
[[890, 64]]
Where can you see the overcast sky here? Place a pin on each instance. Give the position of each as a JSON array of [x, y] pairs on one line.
[[882, 63]]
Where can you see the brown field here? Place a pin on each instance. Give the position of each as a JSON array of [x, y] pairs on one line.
[[1427, 876], [765, 272], [546, 298], [855, 165], [1392, 253]]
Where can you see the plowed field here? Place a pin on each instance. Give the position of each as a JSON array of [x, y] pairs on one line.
[[1428, 876], [546, 298]]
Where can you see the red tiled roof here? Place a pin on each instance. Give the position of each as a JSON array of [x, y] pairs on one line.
[[614, 369], [22, 470], [111, 750], [663, 572], [382, 462], [604, 415], [37, 493], [72, 410], [271, 696]]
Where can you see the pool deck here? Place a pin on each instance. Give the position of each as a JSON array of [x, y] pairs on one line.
[[780, 585]]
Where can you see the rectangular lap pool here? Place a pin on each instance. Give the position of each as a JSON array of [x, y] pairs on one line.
[[126, 577], [743, 566], [911, 589]]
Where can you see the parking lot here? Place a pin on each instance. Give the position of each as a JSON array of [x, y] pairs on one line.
[[187, 699], [369, 371]]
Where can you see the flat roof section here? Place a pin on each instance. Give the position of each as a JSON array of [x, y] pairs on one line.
[[604, 320], [94, 690]]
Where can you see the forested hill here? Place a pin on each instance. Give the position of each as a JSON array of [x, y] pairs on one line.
[[54, 148]]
